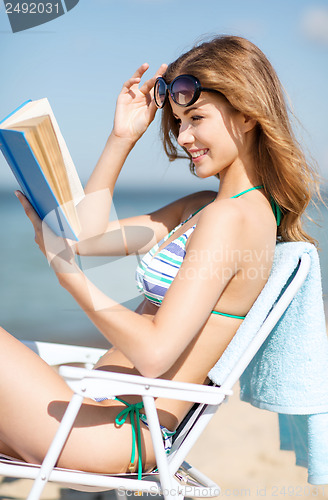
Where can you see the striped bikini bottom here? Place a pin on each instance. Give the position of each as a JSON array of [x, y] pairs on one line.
[[166, 434]]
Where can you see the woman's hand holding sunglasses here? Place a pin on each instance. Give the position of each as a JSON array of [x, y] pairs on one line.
[[135, 108]]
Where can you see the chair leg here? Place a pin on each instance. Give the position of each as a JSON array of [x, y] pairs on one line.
[[170, 489], [56, 447]]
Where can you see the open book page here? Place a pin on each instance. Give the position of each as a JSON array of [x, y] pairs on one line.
[[42, 139]]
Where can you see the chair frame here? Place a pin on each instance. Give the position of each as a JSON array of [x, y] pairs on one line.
[[95, 383]]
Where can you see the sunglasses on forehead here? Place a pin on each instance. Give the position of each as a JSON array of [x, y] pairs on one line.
[[184, 90]]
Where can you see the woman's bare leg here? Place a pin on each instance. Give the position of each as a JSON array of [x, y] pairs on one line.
[[33, 399], [6, 450]]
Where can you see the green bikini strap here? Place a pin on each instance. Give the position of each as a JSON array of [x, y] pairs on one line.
[[274, 205], [132, 410], [247, 190], [228, 315], [276, 210]]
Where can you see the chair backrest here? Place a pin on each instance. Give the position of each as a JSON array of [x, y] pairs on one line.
[[200, 414], [290, 267]]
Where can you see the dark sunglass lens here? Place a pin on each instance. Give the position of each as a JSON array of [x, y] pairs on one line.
[[183, 91], [160, 92]]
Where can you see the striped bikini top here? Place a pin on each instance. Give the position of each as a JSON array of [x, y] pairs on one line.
[[157, 270]]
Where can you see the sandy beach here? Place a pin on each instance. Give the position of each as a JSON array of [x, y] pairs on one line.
[[239, 450]]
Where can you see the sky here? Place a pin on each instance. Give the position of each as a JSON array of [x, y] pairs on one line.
[[80, 60]]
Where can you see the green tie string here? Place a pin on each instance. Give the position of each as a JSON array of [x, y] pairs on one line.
[[133, 411]]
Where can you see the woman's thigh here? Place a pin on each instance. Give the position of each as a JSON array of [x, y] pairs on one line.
[[97, 444], [33, 400]]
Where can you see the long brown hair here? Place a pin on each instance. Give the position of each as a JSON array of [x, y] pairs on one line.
[[240, 71]]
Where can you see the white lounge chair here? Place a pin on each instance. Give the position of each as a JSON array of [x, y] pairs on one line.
[[173, 478]]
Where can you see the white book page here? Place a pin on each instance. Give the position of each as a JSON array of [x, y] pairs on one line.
[[41, 108], [22, 114]]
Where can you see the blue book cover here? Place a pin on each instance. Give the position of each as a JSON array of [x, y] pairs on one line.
[[32, 180]]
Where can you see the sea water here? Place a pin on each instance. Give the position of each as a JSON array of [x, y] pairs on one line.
[[32, 303]]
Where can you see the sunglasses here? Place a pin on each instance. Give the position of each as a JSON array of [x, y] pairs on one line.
[[184, 90]]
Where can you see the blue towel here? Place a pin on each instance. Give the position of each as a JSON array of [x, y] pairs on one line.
[[289, 374]]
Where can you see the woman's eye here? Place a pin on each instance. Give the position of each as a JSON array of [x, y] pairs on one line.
[[196, 118]]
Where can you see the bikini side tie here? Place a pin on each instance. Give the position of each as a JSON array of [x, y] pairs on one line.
[[132, 410]]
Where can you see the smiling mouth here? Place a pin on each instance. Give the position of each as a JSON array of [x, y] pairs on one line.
[[198, 154]]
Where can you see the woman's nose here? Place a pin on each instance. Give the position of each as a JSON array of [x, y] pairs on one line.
[[185, 136]]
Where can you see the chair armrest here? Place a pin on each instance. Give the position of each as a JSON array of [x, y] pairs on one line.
[[104, 384], [58, 354]]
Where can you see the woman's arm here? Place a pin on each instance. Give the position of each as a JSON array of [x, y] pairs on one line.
[[153, 346], [135, 110], [136, 235]]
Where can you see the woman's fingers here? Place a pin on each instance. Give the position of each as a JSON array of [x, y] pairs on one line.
[[59, 251], [135, 78], [141, 70], [34, 218], [129, 83], [148, 85], [161, 70], [29, 210]]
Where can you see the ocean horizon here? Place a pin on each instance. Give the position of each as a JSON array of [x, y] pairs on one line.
[[33, 306]]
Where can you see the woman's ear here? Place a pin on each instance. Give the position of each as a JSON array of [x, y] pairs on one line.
[[248, 123]]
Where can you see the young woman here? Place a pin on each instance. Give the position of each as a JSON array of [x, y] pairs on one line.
[[224, 108]]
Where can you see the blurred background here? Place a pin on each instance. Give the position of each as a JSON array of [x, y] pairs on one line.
[[79, 62]]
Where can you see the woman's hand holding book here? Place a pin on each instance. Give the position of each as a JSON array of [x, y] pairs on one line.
[[59, 251]]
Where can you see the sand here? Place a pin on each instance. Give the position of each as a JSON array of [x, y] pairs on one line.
[[239, 450]]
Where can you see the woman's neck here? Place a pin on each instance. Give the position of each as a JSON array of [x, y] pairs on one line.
[[230, 186], [235, 180]]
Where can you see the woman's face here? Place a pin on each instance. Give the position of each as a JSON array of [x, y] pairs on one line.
[[212, 132]]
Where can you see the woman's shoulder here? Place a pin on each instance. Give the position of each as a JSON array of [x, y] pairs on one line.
[[238, 220], [171, 215], [222, 215], [196, 201]]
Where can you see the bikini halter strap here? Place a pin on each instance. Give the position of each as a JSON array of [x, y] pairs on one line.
[[274, 205], [247, 190]]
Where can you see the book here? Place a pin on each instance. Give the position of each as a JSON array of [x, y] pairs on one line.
[[35, 150]]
